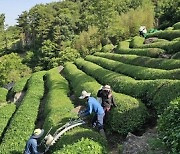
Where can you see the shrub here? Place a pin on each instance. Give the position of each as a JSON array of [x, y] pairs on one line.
[[136, 42], [23, 122], [58, 111], [58, 104], [166, 34], [169, 47], [83, 146], [134, 18], [77, 134], [6, 113], [161, 63], [3, 94], [176, 56], [20, 85], [126, 105], [69, 54], [137, 72], [168, 126], [149, 52], [12, 69], [107, 48], [176, 25], [123, 45], [87, 40], [157, 93]]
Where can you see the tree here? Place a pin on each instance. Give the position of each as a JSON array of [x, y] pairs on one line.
[[168, 12], [2, 21], [12, 69]]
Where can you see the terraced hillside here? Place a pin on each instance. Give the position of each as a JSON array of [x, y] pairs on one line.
[[145, 85]]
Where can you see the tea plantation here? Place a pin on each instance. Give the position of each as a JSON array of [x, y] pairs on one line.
[[146, 86]]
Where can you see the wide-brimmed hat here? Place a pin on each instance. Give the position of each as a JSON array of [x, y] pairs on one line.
[[106, 87], [38, 133], [84, 94]]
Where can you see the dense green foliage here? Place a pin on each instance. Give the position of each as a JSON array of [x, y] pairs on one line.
[[137, 72], [57, 109], [167, 12], [20, 85], [23, 121], [83, 146], [149, 52], [169, 47], [127, 107], [161, 63], [176, 25], [12, 69], [166, 34], [6, 113], [156, 93], [48, 35], [3, 94], [79, 133], [168, 126], [58, 112]]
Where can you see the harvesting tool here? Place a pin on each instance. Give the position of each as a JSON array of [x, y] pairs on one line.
[[49, 140]]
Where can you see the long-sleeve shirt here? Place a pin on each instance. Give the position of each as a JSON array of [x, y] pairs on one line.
[[106, 98], [93, 106], [31, 146]]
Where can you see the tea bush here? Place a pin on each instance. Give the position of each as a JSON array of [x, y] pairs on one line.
[[176, 25], [136, 42], [157, 93], [23, 121], [166, 34], [6, 113], [58, 104], [58, 112], [3, 94], [137, 72], [126, 105], [161, 63], [148, 52], [168, 126], [170, 47], [83, 146]]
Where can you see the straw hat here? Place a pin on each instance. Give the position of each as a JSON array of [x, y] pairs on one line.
[[106, 87], [38, 133], [84, 94]]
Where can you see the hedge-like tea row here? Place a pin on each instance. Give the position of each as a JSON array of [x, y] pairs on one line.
[[148, 52], [157, 93], [170, 47], [3, 94], [83, 146], [136, 42], [169, 126], [176, 26], [129, 113], [5, 114], [165, 34], [58, 110], [58, 104], [160, 63], [73, 136], [23, 122], [137, 72], [19, 85]]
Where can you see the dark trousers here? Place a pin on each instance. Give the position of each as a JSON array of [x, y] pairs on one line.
[[98, 121]]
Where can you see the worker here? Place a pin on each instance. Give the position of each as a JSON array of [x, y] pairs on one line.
[[143, 31], [93, 106], [106, 97], [31, 145]]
